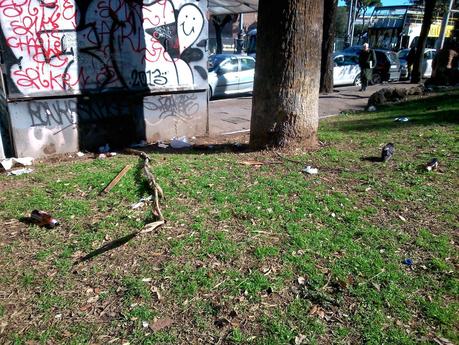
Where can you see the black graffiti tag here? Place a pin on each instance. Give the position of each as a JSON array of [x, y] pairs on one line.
[[44, 113], [181, 106]]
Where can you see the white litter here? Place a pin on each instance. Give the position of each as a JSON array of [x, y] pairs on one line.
[[20, 172], [142, 202], [161, 145], [401, 119], [9, 163], [371, 108], [80, 154], [310, 170], [180, 143], [145, 324]]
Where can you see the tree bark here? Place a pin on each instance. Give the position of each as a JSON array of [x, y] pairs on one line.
[[328, 40], [429, 6], [286, 93]]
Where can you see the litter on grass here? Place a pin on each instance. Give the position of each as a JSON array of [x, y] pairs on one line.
[[142, 202], [432, 165], [20, 172], [180, 143], [9, 163], [401, 119], [42, 218], [408, 262], [310, 170]]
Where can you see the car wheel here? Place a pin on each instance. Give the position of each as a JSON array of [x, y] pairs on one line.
[[376, 79], [357, 81], [209, 93]]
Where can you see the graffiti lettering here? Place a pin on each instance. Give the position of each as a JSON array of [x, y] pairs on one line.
[[53, 113], [75, 45], [148, 78], [181, 106]]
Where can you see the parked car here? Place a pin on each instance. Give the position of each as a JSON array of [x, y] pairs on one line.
[[387, 66], [429, 56], [230, 74], [346, 70]]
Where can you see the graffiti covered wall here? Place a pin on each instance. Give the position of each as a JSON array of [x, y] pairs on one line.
[[87, 50], [53, 47]]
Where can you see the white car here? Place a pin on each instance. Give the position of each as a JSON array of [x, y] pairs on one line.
[[429, 56], [230, 74], [346, 70]]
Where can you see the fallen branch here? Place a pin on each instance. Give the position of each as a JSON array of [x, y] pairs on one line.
[[154, 186], [116, 179]]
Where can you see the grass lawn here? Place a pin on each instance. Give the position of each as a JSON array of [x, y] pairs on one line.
[[249, 255]]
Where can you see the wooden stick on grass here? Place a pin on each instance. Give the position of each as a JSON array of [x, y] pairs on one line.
[[116, 179]]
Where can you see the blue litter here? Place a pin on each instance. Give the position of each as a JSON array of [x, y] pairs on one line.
[[408, 262], [401, 119]]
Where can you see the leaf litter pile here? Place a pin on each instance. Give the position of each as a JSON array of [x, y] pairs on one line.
[[243, 247]]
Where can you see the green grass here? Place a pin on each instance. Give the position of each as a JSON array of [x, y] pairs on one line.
[[225, 267]]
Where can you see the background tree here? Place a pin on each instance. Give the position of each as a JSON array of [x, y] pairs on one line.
[[219, 23], [341, 22], [362, 8], [429, 8], [286, 93], [328, 40]]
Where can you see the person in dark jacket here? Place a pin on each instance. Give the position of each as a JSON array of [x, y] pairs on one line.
[[367, 61], [410, 60]]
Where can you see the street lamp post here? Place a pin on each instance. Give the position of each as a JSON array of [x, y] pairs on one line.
[[444, 24]]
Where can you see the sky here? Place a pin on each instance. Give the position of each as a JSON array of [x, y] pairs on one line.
[[385, 2]]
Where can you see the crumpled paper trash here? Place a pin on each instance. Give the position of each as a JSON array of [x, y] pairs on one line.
[[180, 143], [310, 170], [9, 163]]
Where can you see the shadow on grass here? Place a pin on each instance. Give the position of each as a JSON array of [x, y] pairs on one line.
[[372, 159], [106, 247], [421, 112], [199, 149]]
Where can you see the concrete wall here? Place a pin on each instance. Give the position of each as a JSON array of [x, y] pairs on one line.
[[79, 74]]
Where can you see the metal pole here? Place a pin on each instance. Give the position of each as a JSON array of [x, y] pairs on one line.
[[240, 33], [444, 25], [349, 20], [353, 22]]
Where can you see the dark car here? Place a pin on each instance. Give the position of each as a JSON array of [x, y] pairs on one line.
[[387, 66]]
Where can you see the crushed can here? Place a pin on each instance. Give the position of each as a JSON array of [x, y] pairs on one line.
[[43, 218]]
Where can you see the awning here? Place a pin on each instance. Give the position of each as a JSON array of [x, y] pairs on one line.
[[217, 7]]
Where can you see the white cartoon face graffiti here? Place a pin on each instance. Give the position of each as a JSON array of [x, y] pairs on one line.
[[190, 22]]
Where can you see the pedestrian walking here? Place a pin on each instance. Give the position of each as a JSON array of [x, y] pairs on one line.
[[410, 60], [367, 61]]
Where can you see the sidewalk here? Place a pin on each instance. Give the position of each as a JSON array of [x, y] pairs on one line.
[[232, 115]]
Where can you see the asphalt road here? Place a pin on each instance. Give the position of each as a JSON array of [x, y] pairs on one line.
[[232, 114]]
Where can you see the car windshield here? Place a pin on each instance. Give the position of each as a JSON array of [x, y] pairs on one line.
[[403, 54], [215, 61], [392, 57]]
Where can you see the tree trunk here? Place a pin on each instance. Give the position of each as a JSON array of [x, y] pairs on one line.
[[425, 28], [328, 40], [287, 78]]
